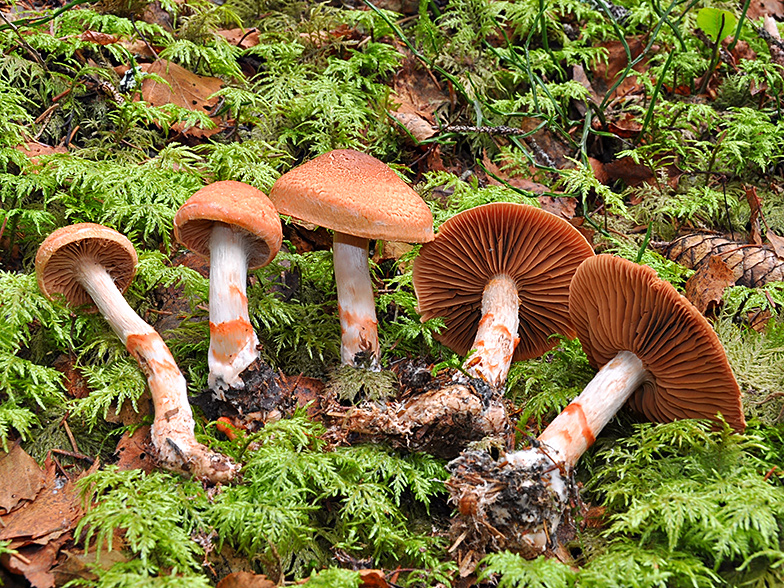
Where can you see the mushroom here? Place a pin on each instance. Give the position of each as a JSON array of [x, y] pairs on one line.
[[655, 350], [237, 228], [90, 264], [499, 274], [359, 198]]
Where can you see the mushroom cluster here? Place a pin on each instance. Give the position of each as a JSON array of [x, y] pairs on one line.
[[506, 277], [655, 351]]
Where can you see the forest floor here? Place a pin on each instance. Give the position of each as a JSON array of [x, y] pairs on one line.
[[654, 129]]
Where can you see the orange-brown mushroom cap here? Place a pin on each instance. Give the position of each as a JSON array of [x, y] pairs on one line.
[[55, 260], [617, 305], [238, 205], [538, 250], [356, 194]]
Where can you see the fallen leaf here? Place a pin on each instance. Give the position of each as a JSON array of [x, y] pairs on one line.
[[35, 562], [706, 286], [135, 450], [563, 206], [242, 38], [372, 579], [54, 511], [187, 90], [99, 38], [755, 212], [246, 580], [627, 127], [606, 73], [625, 169], [758, 8], [34, 150], [417, 126], [777, 243], [78, 565], [22, 478]]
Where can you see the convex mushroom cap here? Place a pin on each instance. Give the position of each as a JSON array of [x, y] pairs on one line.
[[617, 305], [359, 198], [536, 251], [55, 261], [234, 204], [356, 194]]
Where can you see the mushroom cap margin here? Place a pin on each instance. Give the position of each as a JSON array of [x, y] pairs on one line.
[[235, 204]]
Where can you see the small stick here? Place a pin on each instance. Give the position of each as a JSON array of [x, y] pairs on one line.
[[70, 436]]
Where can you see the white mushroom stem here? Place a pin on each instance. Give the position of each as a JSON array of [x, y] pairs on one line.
[[575, 429], [496, 337], [173, 427], [233, 342], [356, 303]]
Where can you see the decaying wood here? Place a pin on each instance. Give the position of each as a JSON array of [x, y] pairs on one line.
[[751, 265]]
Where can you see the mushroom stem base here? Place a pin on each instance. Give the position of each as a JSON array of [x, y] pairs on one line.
[[515, 503], [233, 342], [356, 302]]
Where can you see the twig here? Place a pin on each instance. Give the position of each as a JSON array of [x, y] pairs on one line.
[[70, 436], [74, 454]]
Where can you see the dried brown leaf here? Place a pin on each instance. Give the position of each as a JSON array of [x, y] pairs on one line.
[[705, 288], [187, 90], [246, 580], [22, 478]]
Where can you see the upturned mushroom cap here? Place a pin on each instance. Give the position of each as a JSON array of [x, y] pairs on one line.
[[238, 205], [617, 305], [538, 250], [55, 261], [356, 194]]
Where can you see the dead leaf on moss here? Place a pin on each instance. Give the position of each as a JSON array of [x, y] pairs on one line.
[[562, 206], [706, 286], [246, 580], [22, 478], [758, 8], [54, 512], [605, 74], [419, 128], [187, 90], [626, 127], [135, 450], [35, 562], [494, 171], [755, 213], [99, 38], [372, 579], [777, 243], [34, 150], [242, 38]]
